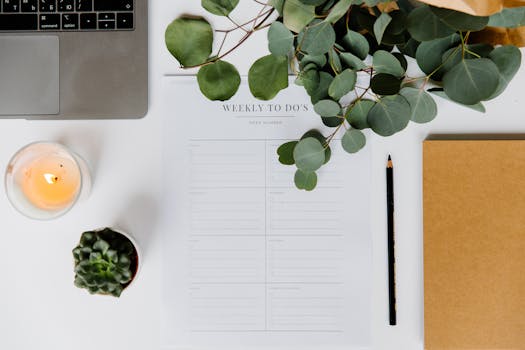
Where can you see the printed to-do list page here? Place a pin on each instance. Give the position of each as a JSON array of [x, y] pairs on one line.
[[250, 261]]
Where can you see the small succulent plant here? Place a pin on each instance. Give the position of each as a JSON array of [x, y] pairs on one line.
[[105, 262]]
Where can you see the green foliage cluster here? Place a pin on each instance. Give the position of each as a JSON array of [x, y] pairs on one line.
[[105, 262], [333, 45]]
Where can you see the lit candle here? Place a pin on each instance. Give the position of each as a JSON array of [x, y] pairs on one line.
[[51, 182], [44, 180]]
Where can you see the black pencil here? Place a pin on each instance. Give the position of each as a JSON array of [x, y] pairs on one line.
[[391, 242]]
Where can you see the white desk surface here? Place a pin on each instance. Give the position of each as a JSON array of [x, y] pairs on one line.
[[41, 309]]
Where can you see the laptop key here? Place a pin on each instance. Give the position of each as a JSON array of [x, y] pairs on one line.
[[48, 5], [106, 16], [88, 21], [107, 25], [113, 5], [23, 21], [84, 5], [70, 21], [66, 5], [29, 5], [49, 21], [11, 5], [125, 20]]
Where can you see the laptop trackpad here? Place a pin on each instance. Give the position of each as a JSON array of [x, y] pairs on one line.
[[29, 75]]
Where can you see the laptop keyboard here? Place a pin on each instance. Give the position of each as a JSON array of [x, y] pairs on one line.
[[66, 15]]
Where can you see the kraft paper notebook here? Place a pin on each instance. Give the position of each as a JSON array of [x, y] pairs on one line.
[[474, 244]]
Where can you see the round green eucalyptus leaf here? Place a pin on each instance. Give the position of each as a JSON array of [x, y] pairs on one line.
[[389, 115], [353, 140], [385, 84], [219, 81], [342, 84], [297, 15], [339, 9], [310, 80], [317, 39], [280, 39], [357, 114], [459, 20], [439, 92], [189, 40], [401, 59], [305, 180], [332, 122], [424, 25], [319, 61], [380, 25], [335, 61], [285, 152], [352, 61], [508, 17], [267, 76], [309, 154], [219, 7], [385, 62], [278, 5], [508, 60], [327, 108], [429, 53], [471, 80], [422, 105], [321, 92], [409, 48], [398, 23], [317, 135], [356, 44]]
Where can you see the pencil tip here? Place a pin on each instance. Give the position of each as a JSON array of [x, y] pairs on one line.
[[389, 158]]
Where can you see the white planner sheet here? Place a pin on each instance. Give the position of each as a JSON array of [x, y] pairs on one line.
[[251, 262]]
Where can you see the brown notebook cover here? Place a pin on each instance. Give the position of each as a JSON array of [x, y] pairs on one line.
[[474, 244]]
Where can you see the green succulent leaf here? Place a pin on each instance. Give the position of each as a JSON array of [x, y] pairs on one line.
[[219, 81], [424, 25], [219, 7], [280, 39], [353, 140], [389, 115], [101, 246], [189, 40], [385, 84], [267, 76], [317, 39], [459, 20], [471, 81], [422, 105], [380, 26], [385, 62], [305, 180], [342, 84], [309, 154], [508, 60], [327, 108], [356, 44], [297, 15], [357, 114], [285, 152]]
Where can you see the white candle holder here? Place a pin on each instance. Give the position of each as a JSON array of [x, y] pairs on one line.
[[41, 193]]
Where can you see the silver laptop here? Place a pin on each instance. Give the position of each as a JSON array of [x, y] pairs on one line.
[[73, 59]]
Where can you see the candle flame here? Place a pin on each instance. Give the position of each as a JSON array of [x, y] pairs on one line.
[[51, 178]]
